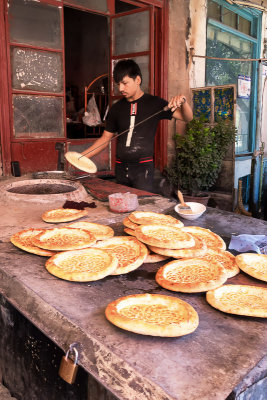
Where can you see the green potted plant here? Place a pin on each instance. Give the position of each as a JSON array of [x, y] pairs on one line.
[[199, 155]]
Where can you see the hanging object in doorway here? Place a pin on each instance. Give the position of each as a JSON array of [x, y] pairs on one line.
[[92, 116]]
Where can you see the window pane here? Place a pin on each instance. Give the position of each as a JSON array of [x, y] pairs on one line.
[[202, 103], [38, 116], [226, 45], [136, 28], [96, 5], [214, 11], [224, 103], [229, 18], [221, 72], [120, 7], [34, 23], [244, 25], [36, 70]]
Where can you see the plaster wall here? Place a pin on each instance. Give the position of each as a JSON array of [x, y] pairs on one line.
[[197, 42], [178, 72]]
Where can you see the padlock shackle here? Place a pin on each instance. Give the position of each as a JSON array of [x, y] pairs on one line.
[[75, 351]]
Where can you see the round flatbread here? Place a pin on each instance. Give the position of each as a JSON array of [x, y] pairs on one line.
[[129, 251], [61, 239], [151, 218], [191, 275], [239, 299], [81, 162], [129, 231], [212, 240], [152, 314], [198, 250], [24, 240], [154, 258], [165, 236], [63, 215], [101, 232], [82, 265], [227, 260], [129, 224], [253, 264]]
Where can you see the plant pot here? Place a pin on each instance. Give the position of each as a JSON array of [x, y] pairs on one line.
[[202, 198]]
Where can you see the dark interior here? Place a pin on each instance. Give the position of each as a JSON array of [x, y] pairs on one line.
[[86, 59]]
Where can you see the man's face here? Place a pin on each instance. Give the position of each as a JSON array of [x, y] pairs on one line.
[[129, 87]]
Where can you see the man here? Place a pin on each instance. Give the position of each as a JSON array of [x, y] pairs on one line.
[[135, 148]]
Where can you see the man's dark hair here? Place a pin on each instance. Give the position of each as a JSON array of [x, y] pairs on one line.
[[126, 68]]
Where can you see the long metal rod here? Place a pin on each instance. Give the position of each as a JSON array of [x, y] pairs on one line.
[[166, 108]]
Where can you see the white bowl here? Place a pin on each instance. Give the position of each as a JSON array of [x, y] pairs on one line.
[[197, 210]]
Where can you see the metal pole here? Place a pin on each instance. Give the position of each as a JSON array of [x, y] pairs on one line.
[[256, 155]]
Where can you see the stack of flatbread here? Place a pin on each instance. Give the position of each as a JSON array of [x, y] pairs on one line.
[[203, 264], [138, 218], [78, 254], [82, 251], [202, 267]]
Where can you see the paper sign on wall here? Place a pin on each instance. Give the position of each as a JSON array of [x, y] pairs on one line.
[[244, 86]]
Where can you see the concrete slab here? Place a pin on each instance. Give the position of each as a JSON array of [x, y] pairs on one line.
[[206, 365]]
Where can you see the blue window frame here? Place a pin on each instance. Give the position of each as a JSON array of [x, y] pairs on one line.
[[226, 25]]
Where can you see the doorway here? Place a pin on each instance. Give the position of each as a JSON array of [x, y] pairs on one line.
[[86, 65]]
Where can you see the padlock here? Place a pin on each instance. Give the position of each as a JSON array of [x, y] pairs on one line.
[[68, 368]]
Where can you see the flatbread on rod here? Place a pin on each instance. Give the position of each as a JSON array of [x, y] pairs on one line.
[[129, 251], [152, 314], [61, 239], [24, 240], [239, 299], [253, 264], [227, 260], [149, 218], [198, 250], [212, 240], [191, 275], [63, 215], [81, 162], [166, 236], [101, 232], [82, 265]]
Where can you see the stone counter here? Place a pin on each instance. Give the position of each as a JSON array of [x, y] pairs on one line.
[[206, 364]]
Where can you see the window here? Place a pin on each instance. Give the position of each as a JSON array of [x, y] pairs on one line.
[[36, 67], [230, 18], [232, 33]]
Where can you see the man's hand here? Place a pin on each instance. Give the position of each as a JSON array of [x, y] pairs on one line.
[[177, 102], [180, 108]]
